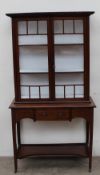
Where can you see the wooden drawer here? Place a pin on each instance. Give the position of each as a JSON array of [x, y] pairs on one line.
[[52, 114], [82, 113], [24, 113]]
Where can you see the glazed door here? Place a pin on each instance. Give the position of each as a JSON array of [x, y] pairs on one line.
[[33, 59], [69, 58]]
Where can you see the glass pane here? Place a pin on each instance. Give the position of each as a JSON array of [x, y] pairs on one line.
[[58, 26], [24, 92], [42, 27], [79, 91], [59, 92], [22, 27], [34, 79], [44, 92], [32, 27], [69, 92], [33, 59], [34, 92], [78, 26], [68, 39], [34, 86], [69, 85], [69, 78], [68, 26], [69, 58], [33, 40]]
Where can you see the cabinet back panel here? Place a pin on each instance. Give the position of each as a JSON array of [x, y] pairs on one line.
[[68, 39], [33, 59], [69, 58], [30, 39]]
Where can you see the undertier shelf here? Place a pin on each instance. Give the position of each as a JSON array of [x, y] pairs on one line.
[[73, 149]]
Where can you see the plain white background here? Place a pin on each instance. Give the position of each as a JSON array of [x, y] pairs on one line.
[[46, 132]]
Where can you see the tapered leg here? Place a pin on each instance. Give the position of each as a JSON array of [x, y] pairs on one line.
[[18, 134], [91, 141], [87, 132], [14, 141]]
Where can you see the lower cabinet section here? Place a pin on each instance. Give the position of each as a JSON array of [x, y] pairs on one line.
[[52, 112]]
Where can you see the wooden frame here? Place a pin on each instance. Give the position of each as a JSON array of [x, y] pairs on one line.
[[53, 108]]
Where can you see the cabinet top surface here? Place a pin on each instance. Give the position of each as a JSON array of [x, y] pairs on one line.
[[50, 14], [84, 104]]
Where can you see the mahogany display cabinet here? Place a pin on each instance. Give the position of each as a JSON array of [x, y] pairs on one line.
[[51, 78]]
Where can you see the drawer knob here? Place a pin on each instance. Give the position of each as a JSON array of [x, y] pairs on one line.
[[44, 114], [60, 114]]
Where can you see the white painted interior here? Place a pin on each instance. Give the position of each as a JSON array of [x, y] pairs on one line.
[[44, 132], [33, 58], [69, 58]]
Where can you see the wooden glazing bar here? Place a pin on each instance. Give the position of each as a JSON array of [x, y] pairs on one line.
[[64, 92], [63, 26], [51, 60], [37, 28], [74, 27], [74, 90], [29, 92], [26, 27], [39, 92]]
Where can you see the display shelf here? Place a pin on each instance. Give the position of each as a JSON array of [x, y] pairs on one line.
[[32, 45], [31, 72], [79, 149], [70, 72], [69, 44]]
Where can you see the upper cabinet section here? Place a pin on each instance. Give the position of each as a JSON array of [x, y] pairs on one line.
[[51, 56]]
